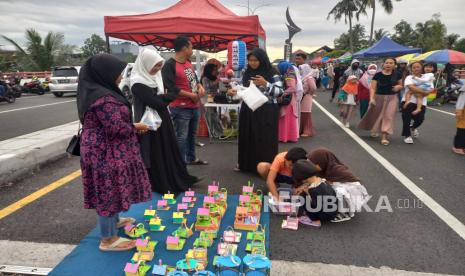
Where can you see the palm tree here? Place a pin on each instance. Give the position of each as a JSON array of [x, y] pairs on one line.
[[346, 9], [387, 6], [451, 40], [40, 54], [378, 34]]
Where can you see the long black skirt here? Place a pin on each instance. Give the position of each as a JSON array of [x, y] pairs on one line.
[[162, 157], [258, 136]]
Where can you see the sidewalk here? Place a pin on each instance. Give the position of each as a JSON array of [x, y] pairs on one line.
[[26, 153]]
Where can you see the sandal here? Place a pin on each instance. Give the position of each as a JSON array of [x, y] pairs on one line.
[[307, 221], [114, 246], [125, 221], [385, 142], [374, 135], [198, 162]]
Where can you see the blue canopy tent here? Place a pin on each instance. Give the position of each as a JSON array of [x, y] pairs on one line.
[[385, 48]]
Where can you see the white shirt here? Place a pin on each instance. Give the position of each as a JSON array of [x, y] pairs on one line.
[[410, 81]]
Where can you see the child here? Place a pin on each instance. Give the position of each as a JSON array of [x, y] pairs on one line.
[[317, 191], [425, 83], [349, 92]]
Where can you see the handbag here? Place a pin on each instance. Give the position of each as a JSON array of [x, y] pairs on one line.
[[151, 118], [252, 97], [74, 146]]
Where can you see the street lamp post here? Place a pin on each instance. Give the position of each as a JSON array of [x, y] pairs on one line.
[[252, 11]]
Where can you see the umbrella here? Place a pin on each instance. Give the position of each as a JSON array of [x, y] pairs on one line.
[[345, 57], [325, 59], [442, 57], [407, 57], [316, 60]]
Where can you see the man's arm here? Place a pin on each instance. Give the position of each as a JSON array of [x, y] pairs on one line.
[[271, 183]]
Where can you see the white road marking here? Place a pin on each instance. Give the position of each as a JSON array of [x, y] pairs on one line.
[[440, 211], [442, 111], [35, 106]]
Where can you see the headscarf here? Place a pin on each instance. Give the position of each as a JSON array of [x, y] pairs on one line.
[[351, 87], [332, 169], [97, 78], [146, 60], [264, 69], [208, 71], [365, 80], [283, 67]]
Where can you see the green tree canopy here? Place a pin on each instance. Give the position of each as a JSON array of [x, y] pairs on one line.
[[359, 39], [93, 45]]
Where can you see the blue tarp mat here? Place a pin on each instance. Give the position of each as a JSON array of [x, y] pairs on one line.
[[87, 259]]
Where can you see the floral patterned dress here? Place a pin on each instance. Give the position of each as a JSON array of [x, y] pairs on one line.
[[113, 174]]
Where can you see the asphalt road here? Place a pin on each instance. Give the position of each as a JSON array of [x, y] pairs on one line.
[[33, 113], [411, 237]]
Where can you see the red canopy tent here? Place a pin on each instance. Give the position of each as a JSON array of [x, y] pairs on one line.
[[208, 24]]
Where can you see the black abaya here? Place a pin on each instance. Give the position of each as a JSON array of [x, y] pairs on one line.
[[159, 149], [258, 136]]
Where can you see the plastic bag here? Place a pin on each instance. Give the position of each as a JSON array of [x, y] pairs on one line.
[[151, 119], [252, 97]]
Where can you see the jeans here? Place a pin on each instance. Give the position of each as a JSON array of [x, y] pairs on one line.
[[185, 121], [108, 227]]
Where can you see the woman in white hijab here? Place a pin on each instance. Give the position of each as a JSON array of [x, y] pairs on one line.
[[160, 151], [309, 88]]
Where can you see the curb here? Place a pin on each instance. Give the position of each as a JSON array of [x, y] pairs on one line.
[[23, 154]]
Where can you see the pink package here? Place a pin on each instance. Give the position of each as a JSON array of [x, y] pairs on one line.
[[162, 203], [187, 199], [244, 198], [182, 206], [208, 199], [189, 193], [247, 189], [203, 212], [172, 240], [212, 188]]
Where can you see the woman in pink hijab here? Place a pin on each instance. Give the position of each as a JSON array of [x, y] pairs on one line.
[[309, 85], [364, 88]]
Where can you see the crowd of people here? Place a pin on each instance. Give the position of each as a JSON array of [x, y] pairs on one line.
[[124, 159]]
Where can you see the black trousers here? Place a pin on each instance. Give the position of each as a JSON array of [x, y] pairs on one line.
[[459, 140], [335, 88], [407, 118]]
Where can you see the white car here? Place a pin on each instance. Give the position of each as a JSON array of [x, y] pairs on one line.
[[125, 85], [64, 80]]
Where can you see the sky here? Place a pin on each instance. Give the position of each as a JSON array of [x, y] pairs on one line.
[[79, 19]]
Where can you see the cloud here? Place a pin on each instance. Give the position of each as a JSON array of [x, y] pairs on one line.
[[79, 19]]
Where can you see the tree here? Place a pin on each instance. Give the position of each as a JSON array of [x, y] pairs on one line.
[[430, 35], [39, 55], [450, 40], [380, 33], [404, 34], [460, 45], [359, 39], [93, 45], [387, 6], [346, 9]]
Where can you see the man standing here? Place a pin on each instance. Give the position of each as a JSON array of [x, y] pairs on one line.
[[300, 58], [180, 79]]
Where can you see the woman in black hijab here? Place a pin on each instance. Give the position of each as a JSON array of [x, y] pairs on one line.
[[113, 174], [258, 130]]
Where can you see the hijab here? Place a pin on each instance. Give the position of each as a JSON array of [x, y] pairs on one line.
[[366, 79], [97, 78], [264, 69], [283, 67], [332, 169], [351, 87], [208, 71], [145, 61], [303, 169]]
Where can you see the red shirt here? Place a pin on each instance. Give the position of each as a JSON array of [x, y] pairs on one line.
[[186, 80]]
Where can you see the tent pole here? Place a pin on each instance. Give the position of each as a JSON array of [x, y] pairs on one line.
[[108, 44], [197, 63]]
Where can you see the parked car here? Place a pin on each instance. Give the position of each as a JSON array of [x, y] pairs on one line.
[[64, 80], [125, 84]]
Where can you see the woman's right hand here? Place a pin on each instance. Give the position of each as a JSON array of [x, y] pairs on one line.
[[141, 128], [372, 102], [231, 92]]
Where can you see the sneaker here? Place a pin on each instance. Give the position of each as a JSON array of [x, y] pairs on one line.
[[347, 125], [415, 133], [307, 221], [408, 140], [341, 217]]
